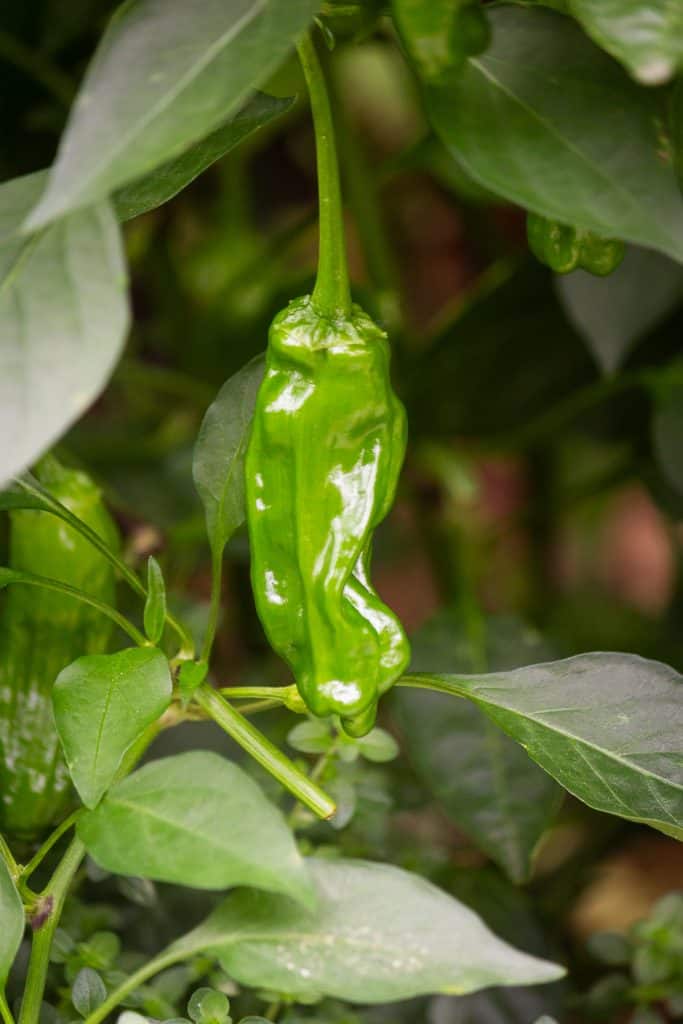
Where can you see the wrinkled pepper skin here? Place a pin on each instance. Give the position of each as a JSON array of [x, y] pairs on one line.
[[41, 632], [324, 456], [564, 248]]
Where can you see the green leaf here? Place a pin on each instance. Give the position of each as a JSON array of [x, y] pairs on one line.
[[547, 120], [172, 177], [163, 77], [645, 35], [191, 675], [17, 198], [311, 737], [612, 313], [218, 466], [195, 819], [207, 1006], [607, 727], [483, 780], [378, 746], [102, 705], [88, 991], [12, 917], [64, 316], [160, 185], [378, 933], [155, 604]]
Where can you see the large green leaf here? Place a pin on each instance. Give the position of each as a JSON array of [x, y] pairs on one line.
[[12, 918], [195, 819], [613, 312], [218, 465], [102, 705], [166, 181], [509, 912], [484, 781], [378, 933], [164, 76], [19, 196], [608, 727], [547, 120], [645, 35], [64, 316]]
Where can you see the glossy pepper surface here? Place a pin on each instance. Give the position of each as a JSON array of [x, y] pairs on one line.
[[324, 456], [564, 248], [42, 631]]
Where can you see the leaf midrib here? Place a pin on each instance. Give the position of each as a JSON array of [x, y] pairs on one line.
[[566, 143], [126, 138], [579, 740]]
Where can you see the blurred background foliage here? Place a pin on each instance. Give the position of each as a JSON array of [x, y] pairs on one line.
[[539, 514]]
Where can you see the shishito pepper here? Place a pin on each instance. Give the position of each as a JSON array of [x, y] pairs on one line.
[[42, 631], [564, 248], [324, 455], [325, 452]]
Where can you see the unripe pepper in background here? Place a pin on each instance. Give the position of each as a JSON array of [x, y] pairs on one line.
[[325, 452], [564, 248], [42, 631]]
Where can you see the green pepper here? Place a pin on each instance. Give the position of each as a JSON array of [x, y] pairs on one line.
[[564, 248], [324, 456], [42, 631]]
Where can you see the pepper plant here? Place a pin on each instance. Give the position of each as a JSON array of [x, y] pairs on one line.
[[188, 523]]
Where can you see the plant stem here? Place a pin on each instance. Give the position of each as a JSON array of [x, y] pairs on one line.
[[549, 423], [428, 682], [5, 1012], [38, 67], [331, 294], [494, 276], [254, 707], [47, 503], [215, 605], [159, 963], [34, 580], [172, 383], [314, 775], [52, 898], [8, 858], [361, 187], [255, 693], [54, 837], [263, 751], [287, 695]]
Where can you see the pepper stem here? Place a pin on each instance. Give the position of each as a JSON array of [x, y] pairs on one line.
[[263, 751], [331, 294]]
